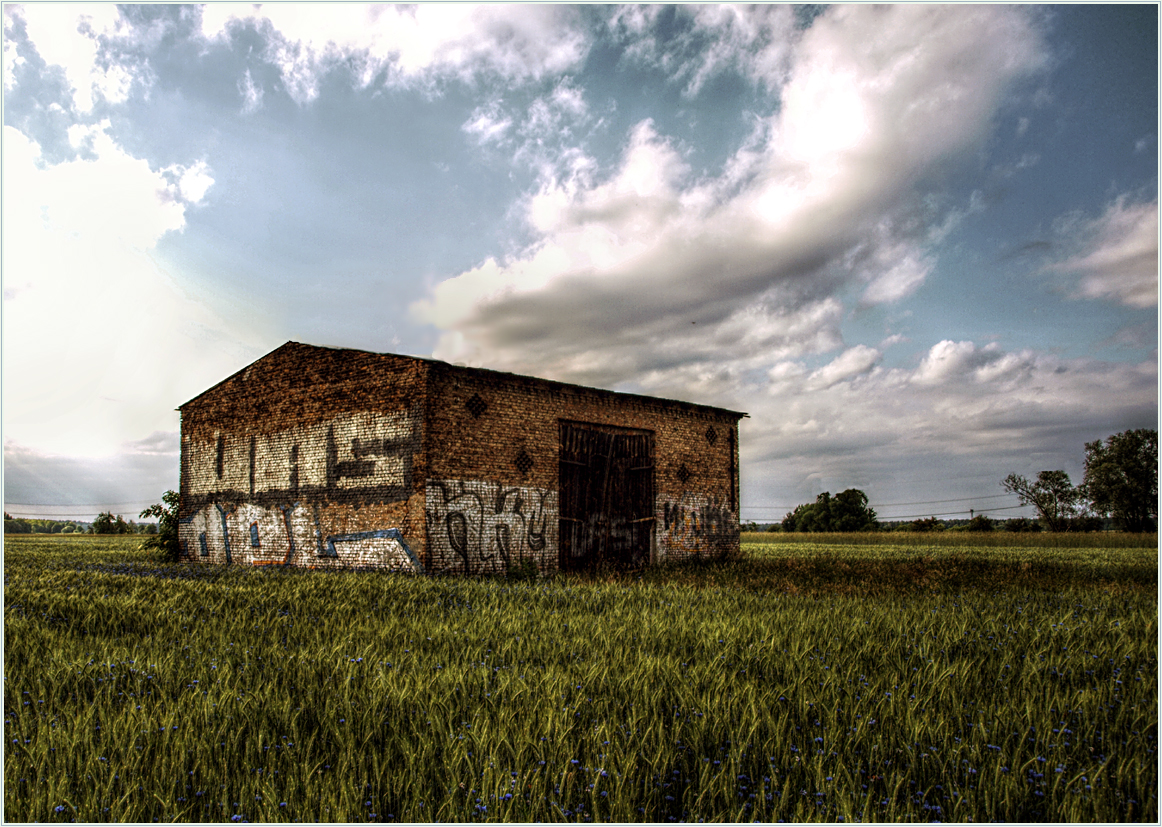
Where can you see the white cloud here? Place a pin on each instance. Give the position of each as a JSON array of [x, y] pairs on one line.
[[100, 343], [755, 40], [948, 360], [1118, 259], [552, 116], [411, 44], [965, 416], [12, 58], [707, 40], [820, 197], [541, 135], [251, 93], [488, 124], [193, 181], [853, 362], [893, 267], [69, 35]]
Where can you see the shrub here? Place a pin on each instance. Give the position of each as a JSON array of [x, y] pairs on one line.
[[166, 539], [1022, 524], [523, 569], [980, 523], [928, 524]]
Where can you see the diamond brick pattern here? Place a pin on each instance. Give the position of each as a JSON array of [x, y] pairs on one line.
[[711, 435], [684, 473], [524, 463], [476, 406]]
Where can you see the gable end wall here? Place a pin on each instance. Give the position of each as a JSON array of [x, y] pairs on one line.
[[308, 457]]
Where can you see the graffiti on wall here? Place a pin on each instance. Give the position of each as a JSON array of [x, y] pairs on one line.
[[698, 525], [287, 535], [365, 456], [476, 527]]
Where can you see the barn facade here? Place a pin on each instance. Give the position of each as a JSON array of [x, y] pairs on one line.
[[326, 457]]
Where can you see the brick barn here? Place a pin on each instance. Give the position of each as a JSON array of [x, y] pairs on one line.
[[328, 457]]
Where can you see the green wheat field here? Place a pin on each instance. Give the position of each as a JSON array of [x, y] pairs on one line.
[[858, 678]]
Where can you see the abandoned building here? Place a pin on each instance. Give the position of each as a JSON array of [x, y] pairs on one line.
[[327, 457]]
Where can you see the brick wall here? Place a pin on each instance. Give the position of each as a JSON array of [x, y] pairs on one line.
[[504, 429], [310, 457], [337, 458]]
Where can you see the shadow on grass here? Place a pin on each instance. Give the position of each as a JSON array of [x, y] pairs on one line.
[[825, 574]]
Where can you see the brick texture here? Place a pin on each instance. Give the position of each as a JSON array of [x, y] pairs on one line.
[[340, 458]]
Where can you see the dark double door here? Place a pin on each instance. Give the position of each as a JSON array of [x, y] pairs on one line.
[[607, 496]]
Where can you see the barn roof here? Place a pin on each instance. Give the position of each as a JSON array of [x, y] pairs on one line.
[[307, 350]]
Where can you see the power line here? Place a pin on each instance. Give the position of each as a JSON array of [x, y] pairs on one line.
[[991, 509], [938, 502], [948, 513], [886, 505], [73, 505], [82, 513]]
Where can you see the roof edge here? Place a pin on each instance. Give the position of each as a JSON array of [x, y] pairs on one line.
[[467, 369]]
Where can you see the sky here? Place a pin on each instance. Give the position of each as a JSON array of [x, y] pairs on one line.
[[918, 245]]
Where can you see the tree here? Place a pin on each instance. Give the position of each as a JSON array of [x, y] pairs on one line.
[[1121, 478], [166, 539], [14, 526], [980, 523], [847, 511], [804, 517], [850, 512], [105, 523], [1053, 495]]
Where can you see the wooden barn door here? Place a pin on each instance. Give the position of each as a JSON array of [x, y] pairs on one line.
[[607, 496]]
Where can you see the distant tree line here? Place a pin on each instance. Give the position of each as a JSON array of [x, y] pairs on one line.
[[1120, 490], [106, 523], [16, 525], [979, 522]]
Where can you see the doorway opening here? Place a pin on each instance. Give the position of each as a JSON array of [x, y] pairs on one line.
[[606, 496]]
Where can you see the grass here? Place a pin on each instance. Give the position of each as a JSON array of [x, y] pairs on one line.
[[958, 539], [808, 682]]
